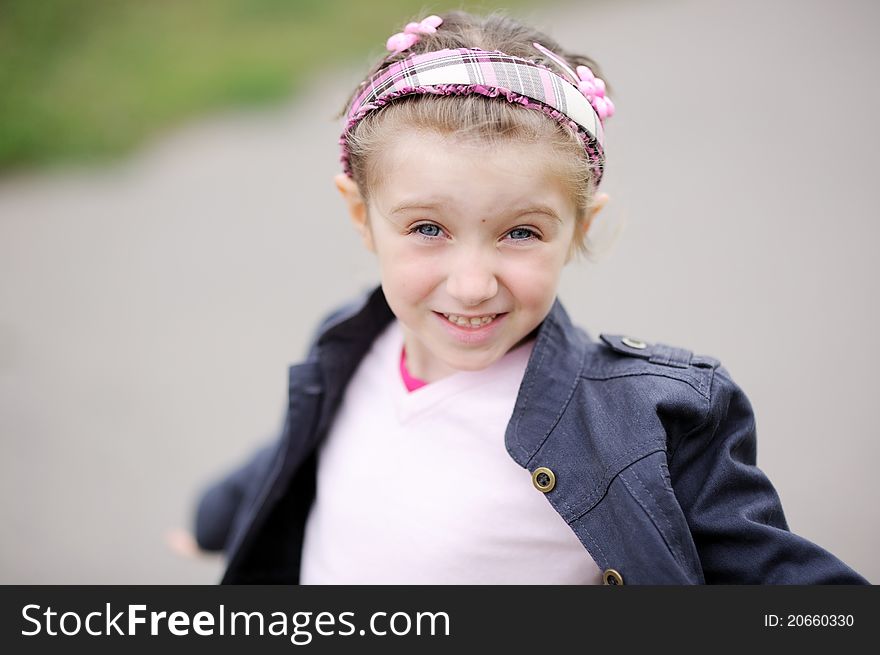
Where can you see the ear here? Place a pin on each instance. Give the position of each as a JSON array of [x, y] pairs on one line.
[[599, 201], [357, 208]]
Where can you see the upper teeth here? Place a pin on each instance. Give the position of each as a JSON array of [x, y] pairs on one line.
[[476, 321]]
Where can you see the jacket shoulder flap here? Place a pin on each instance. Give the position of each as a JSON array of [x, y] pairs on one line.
[[657, 353], [626, 355]]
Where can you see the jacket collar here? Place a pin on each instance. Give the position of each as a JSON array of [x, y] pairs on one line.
[[548, 383]]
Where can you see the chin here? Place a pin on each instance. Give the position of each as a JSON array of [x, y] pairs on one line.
[[471, 363]]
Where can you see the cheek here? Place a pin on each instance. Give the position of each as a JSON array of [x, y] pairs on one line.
[[410, 275], [534, 278]]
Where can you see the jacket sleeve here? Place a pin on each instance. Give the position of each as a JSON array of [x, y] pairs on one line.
[[734, 512], [220, 501]]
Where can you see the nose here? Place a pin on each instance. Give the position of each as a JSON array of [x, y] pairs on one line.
[[472, 280]]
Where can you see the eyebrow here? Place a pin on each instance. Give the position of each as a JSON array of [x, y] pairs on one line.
[[528, 209]]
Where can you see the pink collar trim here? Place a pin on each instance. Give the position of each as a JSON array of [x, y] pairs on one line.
[[412, 383]]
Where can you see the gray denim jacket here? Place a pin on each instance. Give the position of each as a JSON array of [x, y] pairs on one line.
[[646, 451]]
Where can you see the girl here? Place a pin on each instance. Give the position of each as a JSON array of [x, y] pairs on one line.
[[452, 425]]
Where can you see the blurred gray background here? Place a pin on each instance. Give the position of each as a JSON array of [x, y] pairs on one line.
[[149, 309]]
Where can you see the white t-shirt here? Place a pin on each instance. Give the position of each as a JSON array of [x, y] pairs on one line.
[[418, 488]]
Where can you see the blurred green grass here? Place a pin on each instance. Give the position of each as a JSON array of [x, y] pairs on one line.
[[89, 80]]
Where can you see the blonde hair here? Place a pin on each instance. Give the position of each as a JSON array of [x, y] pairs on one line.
[[475, 117]]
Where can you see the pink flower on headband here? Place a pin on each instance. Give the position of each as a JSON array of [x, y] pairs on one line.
[[410, 35], [591, 86], [594, 89]]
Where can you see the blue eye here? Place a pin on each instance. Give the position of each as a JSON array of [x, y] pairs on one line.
[[434, 229], [523, 230]]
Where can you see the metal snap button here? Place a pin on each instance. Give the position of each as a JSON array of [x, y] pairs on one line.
[[634, 343], [544, 479], [611, 577]]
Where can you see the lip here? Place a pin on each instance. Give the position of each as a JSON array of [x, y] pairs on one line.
[[472, 335]]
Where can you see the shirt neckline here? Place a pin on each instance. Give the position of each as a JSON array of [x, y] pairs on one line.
[[410, 404], [410, 381]]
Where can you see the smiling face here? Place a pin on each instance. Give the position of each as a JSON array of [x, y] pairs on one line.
[[469, 230]]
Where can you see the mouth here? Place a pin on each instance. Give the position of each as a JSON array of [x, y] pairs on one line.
[[470, 323], [471, 332]]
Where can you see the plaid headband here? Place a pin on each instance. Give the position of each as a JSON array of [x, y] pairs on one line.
[[464, 71]]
